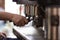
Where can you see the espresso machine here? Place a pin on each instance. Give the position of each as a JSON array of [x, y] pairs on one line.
[[45, 14]]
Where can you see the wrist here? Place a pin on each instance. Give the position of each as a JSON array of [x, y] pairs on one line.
[[6, 16], [11, 17]]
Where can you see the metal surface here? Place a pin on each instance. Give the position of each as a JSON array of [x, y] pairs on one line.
[[51, 27], [28, 32]]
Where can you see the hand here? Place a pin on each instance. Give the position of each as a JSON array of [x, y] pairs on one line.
[[19, 20], [2, 35]]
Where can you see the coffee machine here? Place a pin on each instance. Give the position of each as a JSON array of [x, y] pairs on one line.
[[44, 13]]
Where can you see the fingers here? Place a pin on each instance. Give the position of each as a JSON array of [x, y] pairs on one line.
[[22, 22], [26, 21], [2, 35]]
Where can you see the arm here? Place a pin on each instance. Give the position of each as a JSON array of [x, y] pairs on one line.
[[6, 16], [16, 19]]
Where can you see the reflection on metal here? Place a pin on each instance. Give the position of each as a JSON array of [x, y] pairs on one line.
[[53, 23], [28, 32], [47, 23], [59, 25]]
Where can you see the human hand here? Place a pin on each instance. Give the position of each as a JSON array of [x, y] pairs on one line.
[[19, 20], [2, 35]]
